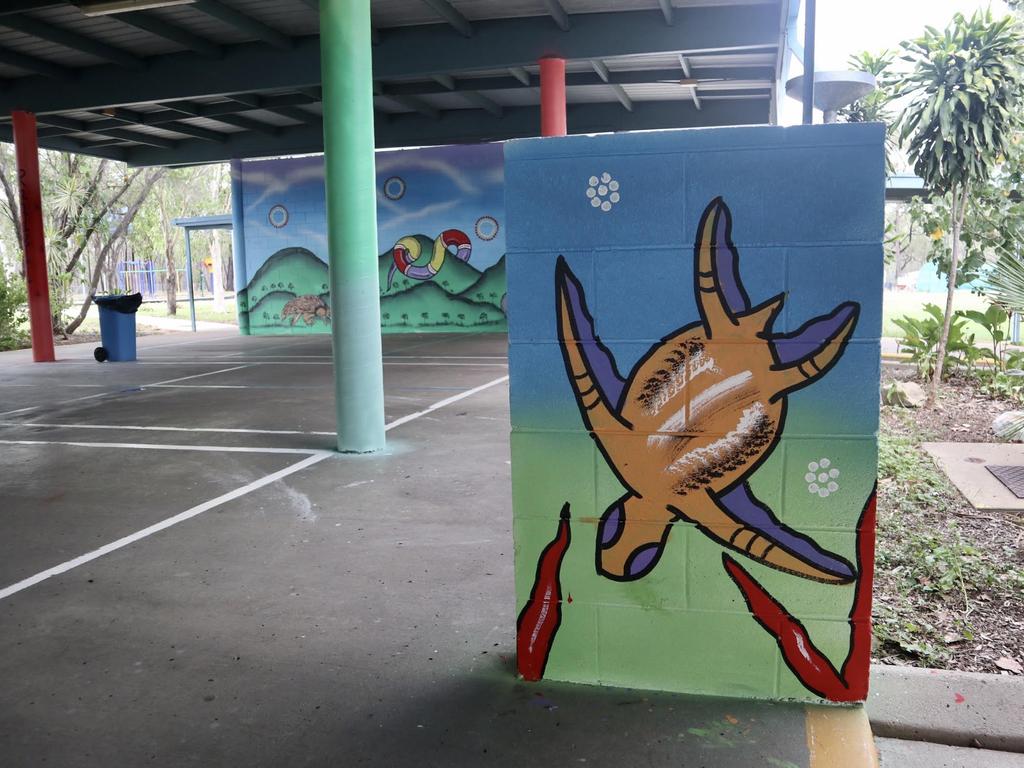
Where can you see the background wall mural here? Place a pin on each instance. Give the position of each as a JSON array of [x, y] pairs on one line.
[[440, 236], [694, 385]]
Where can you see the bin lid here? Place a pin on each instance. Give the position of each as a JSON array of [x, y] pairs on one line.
[[127, 303]]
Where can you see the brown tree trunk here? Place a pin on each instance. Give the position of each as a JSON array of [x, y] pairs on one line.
[[957, 209], [172, 279]]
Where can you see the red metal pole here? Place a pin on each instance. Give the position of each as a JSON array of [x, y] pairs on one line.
[[552, 97], [26, 147]]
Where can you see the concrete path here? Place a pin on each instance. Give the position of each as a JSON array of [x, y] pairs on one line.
[[932, 718], [964, 464], [896, 753], [189, 575]]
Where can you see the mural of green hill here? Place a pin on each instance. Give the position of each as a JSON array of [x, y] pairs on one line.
[[491, 287], [459, 297], [428, 307]]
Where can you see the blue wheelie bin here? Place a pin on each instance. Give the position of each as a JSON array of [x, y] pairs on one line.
[[117, 327]]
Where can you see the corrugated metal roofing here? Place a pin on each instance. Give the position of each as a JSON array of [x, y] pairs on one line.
[[55, 40]]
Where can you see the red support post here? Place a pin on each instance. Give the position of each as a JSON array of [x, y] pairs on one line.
[[26, 147], [552, 97]]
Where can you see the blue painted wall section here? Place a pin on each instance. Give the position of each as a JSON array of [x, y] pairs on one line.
[[441, 230], [694, 368]]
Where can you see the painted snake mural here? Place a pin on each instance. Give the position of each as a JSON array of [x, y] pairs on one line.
[[409, 249], [699, 414]]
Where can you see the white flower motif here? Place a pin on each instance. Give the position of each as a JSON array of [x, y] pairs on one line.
[[821, 478], [603, 191]]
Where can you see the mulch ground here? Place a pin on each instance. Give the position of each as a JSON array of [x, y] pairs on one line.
[[949, 589]]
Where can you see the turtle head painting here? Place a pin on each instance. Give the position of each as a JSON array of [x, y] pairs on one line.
[[694, 387], [711, 413]]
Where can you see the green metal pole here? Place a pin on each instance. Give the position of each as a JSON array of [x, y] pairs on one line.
[[346, 65]]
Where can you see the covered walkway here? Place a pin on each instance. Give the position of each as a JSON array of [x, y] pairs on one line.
[[197, 579]]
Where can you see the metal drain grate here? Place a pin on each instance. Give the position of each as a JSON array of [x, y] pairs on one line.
[[1010, 476]]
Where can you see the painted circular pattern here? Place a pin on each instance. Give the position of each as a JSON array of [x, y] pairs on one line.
[[394, 188], [277, 216], [487, 227]]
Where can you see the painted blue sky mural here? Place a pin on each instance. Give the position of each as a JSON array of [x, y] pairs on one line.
[[459, 187], [423, 191], [440, 244]]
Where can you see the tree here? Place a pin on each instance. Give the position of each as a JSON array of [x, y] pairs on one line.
[[964, 93], [874, 108], [151, 177]]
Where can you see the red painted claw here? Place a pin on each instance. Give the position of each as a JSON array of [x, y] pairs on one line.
[[809, 664], [541, 616]]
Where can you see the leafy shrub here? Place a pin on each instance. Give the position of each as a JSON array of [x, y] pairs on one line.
[[13, 312], [994, 320], [921, 340]]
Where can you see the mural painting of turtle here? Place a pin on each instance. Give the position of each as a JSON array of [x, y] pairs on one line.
[[699, 414], [309, 308]]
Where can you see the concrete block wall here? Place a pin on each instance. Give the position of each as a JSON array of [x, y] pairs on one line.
[[716, 463]]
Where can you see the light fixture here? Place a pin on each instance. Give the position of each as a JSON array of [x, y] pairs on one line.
[[107, 7]]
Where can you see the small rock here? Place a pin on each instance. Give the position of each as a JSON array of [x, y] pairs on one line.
[[1010, 665], [1008, 425], [906, 394]]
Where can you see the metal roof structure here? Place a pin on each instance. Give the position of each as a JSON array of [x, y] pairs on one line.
[[209, 80]]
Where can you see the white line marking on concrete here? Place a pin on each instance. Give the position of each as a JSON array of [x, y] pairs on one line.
[[19, 410], [198, 386], [442, 403], [163, 524], [195, 376], [155, 384], [162, 429], [312, 457], [165, 447]]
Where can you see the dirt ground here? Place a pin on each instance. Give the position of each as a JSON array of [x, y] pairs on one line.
[[949, 589]]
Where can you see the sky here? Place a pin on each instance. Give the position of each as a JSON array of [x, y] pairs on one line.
[[850, 26]]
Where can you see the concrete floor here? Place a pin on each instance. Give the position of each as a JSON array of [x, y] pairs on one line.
[[261, 601]]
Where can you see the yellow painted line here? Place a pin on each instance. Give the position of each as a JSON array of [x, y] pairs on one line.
[[840, 737]]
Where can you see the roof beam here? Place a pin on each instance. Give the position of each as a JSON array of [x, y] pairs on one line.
[[558, 14], [244, 23], [485, 103], [83, 126], [520, 74], [453, 127], [601, 70], [414, 104], [187, 129], [72, 40], [447, 11], [600, 75], [445, 80], [497, 44], [148, 22], [622, 96], [667, 11], [685, 65], [38, 66]]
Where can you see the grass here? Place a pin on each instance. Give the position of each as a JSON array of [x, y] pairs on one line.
[[899, 303], [204, 311]]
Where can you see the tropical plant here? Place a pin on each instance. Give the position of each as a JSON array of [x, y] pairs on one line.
[[922, 336], [963, 111], [874, 108], [994, 320]]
